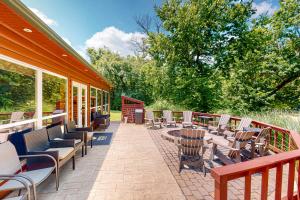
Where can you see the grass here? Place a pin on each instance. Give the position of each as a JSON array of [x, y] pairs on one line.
[[115, 115]]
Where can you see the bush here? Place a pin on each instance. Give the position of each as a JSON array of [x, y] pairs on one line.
[[165, 105]]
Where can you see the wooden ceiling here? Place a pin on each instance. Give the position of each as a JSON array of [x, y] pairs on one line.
[[41, 49]]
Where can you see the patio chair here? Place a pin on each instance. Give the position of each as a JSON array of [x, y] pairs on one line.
[[151, 121], [191, 148], [262, 142], [10, 167], [222, 125], [55, 133], [37, 142], [234, 145], [15, 117], [26, 195], [187, 119], [244, 123], [88, 133], [168, 118]]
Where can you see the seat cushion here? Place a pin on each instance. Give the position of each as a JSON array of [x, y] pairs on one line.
[[89, 135], [62, 152], [37, 176], [77, 141]]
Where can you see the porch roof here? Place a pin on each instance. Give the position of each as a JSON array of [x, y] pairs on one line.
[[42, 47]]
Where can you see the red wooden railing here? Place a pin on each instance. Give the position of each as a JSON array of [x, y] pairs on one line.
[[284, 142]]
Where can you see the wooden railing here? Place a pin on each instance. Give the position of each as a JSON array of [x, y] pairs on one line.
[[284, 142]]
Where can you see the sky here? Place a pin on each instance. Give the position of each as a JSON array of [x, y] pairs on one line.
[[105, 23]]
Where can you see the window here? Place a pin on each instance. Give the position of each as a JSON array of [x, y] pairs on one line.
[[99, 99], [17, 89], [54, 95]]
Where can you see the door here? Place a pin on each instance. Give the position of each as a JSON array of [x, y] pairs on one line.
[[79, 104]]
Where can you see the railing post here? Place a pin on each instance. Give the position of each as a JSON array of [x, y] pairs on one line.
[[221, 189]]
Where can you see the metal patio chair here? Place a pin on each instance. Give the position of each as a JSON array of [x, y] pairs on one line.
[[10, 165]]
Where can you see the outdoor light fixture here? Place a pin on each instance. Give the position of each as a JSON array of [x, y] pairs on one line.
[[27, 30], [64, 55]]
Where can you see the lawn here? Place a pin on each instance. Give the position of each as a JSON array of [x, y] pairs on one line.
[[115, 115]]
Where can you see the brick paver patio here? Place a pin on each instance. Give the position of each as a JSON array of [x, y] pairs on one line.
[[195, 185], [139, 164]]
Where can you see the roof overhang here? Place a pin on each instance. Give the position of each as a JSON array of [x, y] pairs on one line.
[[16, 15]]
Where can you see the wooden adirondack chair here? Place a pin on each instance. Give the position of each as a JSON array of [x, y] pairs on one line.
[[168, 118], [235, 145], [262, 142], [244, 123], [187, 119], [222, 125], [150, 120], [191, 148]]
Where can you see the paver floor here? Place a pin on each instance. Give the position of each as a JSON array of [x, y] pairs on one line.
[[197, 186], [131, 167]]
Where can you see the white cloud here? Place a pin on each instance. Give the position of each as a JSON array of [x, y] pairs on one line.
[[115, 40], [264, 7], [42, 16]]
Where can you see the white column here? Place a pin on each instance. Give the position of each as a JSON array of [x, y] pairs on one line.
[[39, 98]]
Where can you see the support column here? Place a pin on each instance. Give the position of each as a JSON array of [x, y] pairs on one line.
[[39, 98]]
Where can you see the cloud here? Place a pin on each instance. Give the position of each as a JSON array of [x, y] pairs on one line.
[[43, 17], [264, 7], [115, 40]]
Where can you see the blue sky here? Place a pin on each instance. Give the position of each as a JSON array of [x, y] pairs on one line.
[[98, 23]]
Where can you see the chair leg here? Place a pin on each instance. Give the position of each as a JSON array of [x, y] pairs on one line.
[[92, 142], [85, 146], [73, 159], [57, 179], [34, 192], [82, 151]]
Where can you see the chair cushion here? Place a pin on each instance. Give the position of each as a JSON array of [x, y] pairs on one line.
[[77, 141], [37, 176], [89, 135], [62, 152]]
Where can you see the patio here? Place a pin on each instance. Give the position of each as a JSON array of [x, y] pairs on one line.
[[139, 164]]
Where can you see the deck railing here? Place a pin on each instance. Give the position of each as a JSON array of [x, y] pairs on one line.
[[284, 142]]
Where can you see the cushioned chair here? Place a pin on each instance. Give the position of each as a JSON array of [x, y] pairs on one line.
[[87, 131], [55, 134], [37, 142], [10, 165]]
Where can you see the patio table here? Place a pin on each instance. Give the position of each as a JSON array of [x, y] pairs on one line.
[[205, 118]]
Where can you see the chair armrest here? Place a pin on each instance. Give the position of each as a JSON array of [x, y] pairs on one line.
[[75, 135], [62, 143], [223, 145], [19, 179]]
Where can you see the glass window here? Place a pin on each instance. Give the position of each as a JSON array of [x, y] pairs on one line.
[[17, 89], [54, 95], [99, 94], [93, 97]]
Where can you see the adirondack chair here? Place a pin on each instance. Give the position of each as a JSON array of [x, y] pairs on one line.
[[187, 119], [222, 125], [234, 146], [191, 148], [15, 117], [150, 120], [262, 142], [168, 118], [244, 123]]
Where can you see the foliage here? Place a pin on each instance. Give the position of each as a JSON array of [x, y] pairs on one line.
[[165, 105], [212, 55]]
